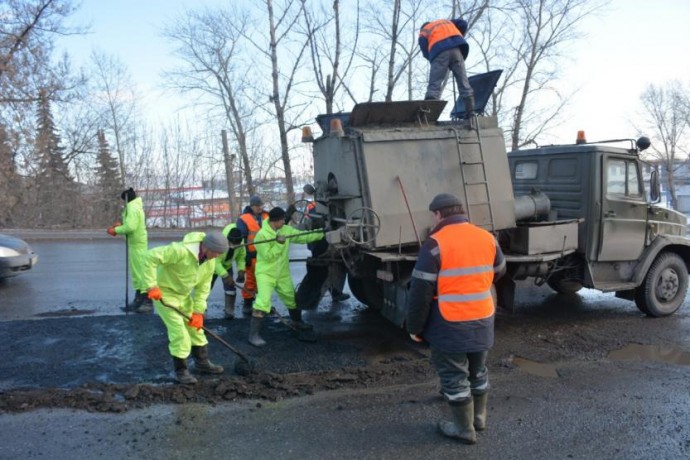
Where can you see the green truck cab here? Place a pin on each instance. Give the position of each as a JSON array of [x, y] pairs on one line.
[[625, 243]]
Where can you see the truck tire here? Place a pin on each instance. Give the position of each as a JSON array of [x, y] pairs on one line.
[[663, 290], [560, 284], [366, 290]]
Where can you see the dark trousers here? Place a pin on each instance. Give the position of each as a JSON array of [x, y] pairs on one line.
[[450, 59], [462, 374]]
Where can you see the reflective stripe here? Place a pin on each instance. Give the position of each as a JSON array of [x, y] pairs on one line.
[[466, 270], [426, 276], [500, 267], [457, 396], [464, 297], [483, 386]]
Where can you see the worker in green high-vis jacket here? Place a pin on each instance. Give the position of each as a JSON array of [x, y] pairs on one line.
[[133, 226]]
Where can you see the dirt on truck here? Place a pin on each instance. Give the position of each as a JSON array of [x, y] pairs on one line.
[[570, 216]]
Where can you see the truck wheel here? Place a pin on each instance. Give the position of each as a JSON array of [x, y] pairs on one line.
[[560, 284], [663, 290], [366, 290]]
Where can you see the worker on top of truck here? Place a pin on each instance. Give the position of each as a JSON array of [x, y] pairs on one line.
[[443, 44], [450, 306]]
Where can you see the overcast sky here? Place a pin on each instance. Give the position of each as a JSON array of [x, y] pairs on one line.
[[634, 43]]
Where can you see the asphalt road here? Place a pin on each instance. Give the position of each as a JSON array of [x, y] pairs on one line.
[[582, 376]]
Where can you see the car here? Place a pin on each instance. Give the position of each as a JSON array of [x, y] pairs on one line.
[[16, 256]]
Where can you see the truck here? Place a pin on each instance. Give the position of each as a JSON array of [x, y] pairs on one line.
[[568, 216]]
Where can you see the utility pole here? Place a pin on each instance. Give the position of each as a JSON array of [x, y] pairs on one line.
[[229, 179]]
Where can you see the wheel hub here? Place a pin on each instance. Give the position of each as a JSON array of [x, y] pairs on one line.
[[667, 286]]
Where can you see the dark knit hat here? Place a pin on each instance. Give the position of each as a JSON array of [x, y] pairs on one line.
[[444, 200], [308, 189], [235, 236], [215, 241], [128, 195], [256, 200], [276, 213]]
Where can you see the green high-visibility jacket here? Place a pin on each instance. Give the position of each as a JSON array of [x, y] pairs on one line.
[[134, 224], [273, 258], [176, 270], [224, 262]]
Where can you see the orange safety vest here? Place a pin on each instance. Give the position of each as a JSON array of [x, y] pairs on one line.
[[438, 30], [467, 255], [253, 228]]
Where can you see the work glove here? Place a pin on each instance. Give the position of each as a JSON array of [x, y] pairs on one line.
[[281, 239], [155, 293], [197, 321], [240, 276], [111, 229], [416, 338]]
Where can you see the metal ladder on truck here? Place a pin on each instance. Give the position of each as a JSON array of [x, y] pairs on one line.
[[481, 180]]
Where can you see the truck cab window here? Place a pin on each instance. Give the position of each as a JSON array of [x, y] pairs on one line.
[[622, 178], [526, 170]]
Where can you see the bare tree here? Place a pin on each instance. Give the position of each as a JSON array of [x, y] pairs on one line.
[[26, 44], [326, 52], [215, 64], [284, 49], [526, 37], [117, 96], [280, 26], [667, 117]]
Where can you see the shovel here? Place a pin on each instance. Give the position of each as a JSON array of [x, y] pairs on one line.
[[242, 367], [301, 334]]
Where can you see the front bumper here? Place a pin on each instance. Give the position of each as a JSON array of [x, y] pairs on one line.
[[13, 266]]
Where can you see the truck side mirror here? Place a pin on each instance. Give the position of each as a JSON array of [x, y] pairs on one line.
[[654, 187]]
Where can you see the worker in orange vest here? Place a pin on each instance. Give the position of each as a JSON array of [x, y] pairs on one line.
[[451, 307], [249, 225], [443, 44]]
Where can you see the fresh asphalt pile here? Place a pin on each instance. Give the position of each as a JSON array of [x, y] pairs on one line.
[[116, 363], [257, 386]]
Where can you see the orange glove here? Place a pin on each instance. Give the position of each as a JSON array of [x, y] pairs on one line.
[[111, 231], [155, 293], [196, 321]]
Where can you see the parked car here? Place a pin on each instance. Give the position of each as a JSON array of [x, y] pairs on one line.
[[16, 256]]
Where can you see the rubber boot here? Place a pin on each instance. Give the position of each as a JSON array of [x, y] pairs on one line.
[[480, 411], [230, 305], [254, 329], [136, 303], [181, 372], [462, 428], [247, 307], [296, 320], [146, 306], [202, 363], [469, 106]]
